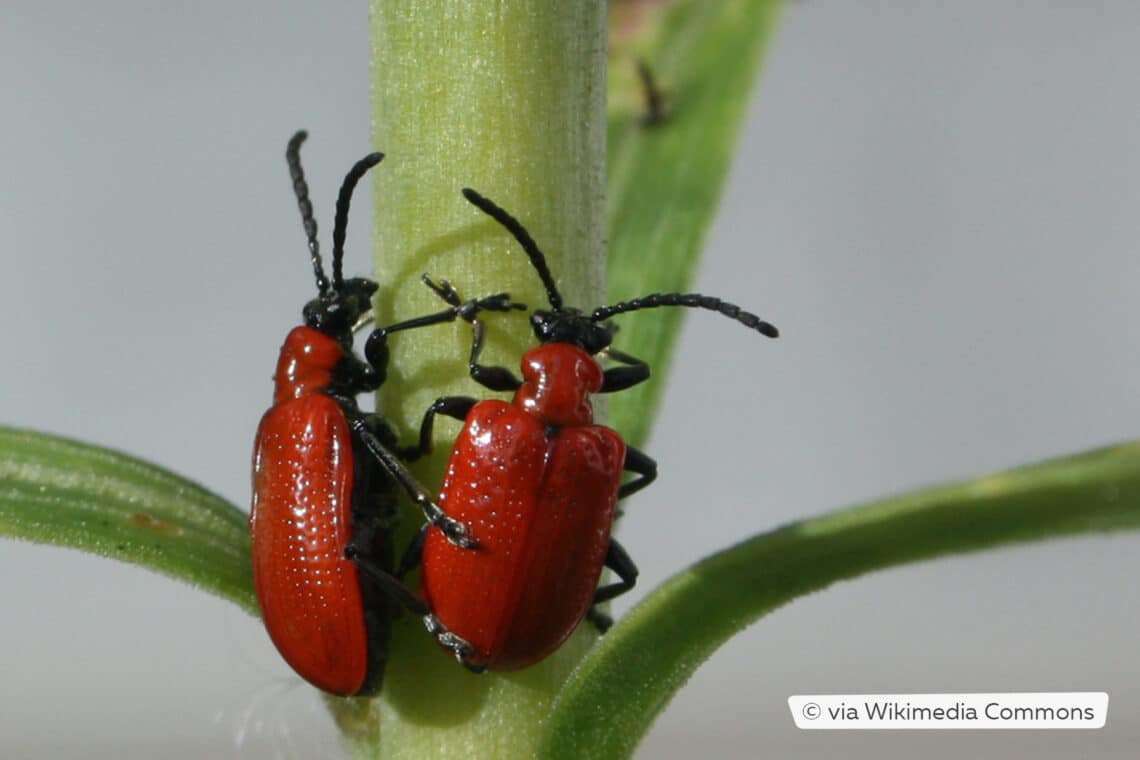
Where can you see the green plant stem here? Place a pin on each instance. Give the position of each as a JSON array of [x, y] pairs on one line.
[[506, 97]]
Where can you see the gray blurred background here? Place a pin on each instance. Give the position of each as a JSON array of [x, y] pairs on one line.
[[936, 202]]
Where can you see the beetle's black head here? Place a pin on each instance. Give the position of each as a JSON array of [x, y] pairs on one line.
[[570, 325], [341, 305], [337, 312]]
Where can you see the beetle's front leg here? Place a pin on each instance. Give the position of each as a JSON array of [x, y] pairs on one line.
[[456, 407], [619, 378]]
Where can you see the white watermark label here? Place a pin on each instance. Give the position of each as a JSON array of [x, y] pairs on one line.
[[1087, 709]]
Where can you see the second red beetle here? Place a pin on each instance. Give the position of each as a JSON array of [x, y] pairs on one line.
[[537, 482]]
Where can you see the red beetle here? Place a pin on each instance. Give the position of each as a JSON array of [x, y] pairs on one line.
[[322, 510], [538, 482]]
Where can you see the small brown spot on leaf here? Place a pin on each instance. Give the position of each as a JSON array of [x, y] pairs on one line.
[[149, 522]]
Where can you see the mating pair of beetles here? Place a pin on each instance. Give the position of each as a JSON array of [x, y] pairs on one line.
[[515, 542]]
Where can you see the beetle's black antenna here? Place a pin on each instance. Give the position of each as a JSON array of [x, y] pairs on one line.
[[301, 190], [692, 300], [525, 240], [343, 200]]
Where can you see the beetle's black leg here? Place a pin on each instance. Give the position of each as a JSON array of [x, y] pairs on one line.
[[448, 640], [619, 561], [448, 315], [357, 376], [455, 531], [443, 289], [452, 406], [376, 347], [393, 588], [600, 620], [639, 463], [492, 378], [469, 310], [619, 378], [413, 554]]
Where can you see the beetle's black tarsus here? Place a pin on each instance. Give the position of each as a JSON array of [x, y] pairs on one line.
[[458, 646]]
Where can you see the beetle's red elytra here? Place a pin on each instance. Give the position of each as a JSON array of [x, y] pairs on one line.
[[541, 504]]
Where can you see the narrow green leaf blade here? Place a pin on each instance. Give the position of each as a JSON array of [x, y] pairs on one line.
[[65, 493], [664, 181], [612, 698]]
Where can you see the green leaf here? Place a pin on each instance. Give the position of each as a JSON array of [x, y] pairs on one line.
[[62, 492], [664, 181], [627, 679]]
